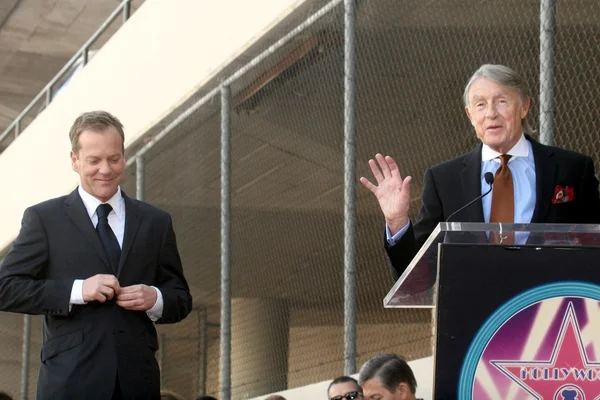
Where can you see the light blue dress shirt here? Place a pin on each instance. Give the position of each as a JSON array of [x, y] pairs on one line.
[[522, 168]]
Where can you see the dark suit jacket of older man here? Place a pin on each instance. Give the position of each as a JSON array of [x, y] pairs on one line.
[[452, 184], [86, 347]]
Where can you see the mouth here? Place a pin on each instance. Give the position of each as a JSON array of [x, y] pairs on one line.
[[493, 127]]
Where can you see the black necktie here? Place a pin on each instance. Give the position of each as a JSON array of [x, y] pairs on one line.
[[107, 236]]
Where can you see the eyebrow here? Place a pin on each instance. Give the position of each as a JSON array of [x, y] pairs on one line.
[[498, 94]]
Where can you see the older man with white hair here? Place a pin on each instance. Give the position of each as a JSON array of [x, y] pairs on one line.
[[531, 182]]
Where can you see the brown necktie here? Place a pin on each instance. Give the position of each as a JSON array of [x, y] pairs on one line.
[[503, 198]]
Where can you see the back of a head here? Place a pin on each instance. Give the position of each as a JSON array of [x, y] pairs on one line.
[[5, 396], [275, 397], [168, 395], [391, 369], [205, 398]]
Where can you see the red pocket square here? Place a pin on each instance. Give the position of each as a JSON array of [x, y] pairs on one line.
[[563, 194]]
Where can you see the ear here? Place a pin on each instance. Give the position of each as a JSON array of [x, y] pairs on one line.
[[403, 390], [525, 107], [74, 162]]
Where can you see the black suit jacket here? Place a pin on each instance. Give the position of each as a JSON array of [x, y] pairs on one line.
[[452, 184], [85, 348]]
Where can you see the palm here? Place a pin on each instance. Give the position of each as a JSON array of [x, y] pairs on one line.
[[392, 199], [391, 191]]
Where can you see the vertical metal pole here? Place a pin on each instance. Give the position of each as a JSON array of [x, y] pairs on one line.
[[225, 243], [547, 70], [202, 351], [25, 359], [126, 10], [349, 187], [140, 178]]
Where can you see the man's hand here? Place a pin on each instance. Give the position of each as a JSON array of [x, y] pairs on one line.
[[137, 297], [100, 288], [391, 191]]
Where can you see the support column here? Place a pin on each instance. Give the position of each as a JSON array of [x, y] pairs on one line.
[[259, 347], [547, 70]]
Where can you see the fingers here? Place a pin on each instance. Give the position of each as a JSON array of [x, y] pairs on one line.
[[131, 289], [376, 171], [383, 168], [137, 304], [136, 297], [383, 164], [110, 281], [107, 292], [394, 170], [368, 184]]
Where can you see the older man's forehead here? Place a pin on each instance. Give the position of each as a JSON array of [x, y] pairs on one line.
[[505, 91]]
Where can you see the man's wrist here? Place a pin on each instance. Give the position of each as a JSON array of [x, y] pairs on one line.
[[396, 225]]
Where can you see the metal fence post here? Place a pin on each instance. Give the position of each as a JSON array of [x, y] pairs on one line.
[[126, 10], [84, 56], [140, 177], [25, 359], [48, 95], [349, 187], [547, 70], [202, 351], [225, 243]]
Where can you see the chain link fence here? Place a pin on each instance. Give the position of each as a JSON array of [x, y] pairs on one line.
[[287, 184]]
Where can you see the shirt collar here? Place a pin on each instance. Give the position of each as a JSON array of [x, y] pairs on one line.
[[91, 203], [520, 149]]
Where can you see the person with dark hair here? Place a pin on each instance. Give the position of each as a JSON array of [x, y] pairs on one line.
[[344, 388], [5, 396], [532, 182], [169, 395], [205, 398], [101, 268], [387, 377]]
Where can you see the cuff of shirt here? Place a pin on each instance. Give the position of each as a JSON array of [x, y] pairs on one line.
[[77, 293], [156, 311], [393, 239]]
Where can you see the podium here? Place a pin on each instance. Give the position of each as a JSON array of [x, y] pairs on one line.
[[518, 320]]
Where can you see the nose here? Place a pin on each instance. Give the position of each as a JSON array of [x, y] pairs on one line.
[[105, 168], [491, 111]]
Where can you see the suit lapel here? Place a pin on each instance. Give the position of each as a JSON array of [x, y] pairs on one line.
[[133, 218], [469, 174], [545, 176], [77, 213]]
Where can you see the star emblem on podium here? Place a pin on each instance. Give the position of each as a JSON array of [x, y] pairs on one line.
[[567, 375]]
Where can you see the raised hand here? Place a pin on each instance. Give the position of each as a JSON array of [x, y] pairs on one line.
[[137, 297], [100, 287], [392, 192]]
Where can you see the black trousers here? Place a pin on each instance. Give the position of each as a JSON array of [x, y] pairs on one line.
[[117, 393]]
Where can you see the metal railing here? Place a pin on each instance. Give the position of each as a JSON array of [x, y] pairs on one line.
[[81, 57]]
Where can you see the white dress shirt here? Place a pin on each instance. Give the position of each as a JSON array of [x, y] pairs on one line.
[[116, 221]]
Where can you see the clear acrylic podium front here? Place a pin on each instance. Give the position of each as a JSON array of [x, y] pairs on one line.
[[416, 286]]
